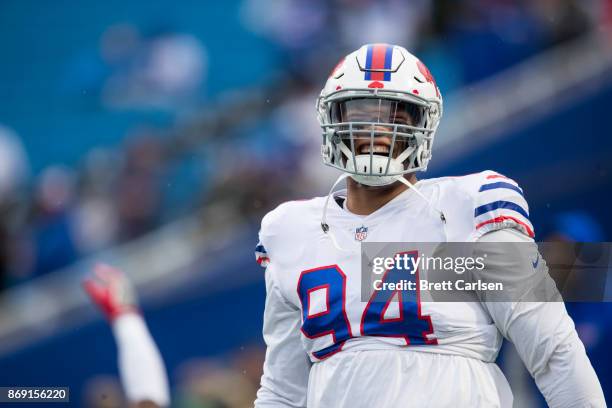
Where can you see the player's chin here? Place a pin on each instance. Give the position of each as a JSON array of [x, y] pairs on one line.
[[384, 187]]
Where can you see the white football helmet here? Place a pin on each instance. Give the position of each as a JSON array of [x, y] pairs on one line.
[[379, 112]]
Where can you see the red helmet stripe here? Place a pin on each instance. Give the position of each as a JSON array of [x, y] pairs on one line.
[[378, 57]]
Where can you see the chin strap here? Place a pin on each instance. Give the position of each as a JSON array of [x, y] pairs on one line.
[[324, 224], [401, 179]]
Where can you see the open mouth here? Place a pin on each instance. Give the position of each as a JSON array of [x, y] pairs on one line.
[[379, 149]]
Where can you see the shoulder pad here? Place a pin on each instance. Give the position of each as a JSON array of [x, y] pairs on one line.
[[499, 203], [276, 224], [495, 202]]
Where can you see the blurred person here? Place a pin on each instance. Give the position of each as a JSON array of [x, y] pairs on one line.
[[96, 223], [326, 347], [53, 229], [141, 367], [96, 213], [263, 153], [138, 190]]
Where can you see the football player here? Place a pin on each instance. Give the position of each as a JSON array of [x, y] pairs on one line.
[[328, 347], [141, 367]]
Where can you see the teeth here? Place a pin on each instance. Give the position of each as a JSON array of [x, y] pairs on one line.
[[376, 149]]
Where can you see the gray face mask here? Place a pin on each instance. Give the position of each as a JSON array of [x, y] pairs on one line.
[[376, 138]]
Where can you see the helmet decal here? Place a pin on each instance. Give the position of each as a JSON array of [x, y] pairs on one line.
[[427, 74], [378, 58], [337, 67]]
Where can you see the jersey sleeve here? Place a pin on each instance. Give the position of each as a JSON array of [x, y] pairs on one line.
[[284, 382], [499, 203], [542, 331], [270, 235]]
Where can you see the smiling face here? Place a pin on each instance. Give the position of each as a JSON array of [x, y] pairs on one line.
[[375, 117]]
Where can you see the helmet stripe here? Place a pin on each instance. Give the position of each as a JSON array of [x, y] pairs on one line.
[[368, 63], [388, 57], [378, 57]]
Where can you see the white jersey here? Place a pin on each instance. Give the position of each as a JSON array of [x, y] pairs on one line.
[[328, 347]]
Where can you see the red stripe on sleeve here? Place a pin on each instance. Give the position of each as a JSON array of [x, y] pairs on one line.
[[502, 219]]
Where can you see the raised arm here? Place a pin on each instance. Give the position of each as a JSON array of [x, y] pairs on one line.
[[141, 368]]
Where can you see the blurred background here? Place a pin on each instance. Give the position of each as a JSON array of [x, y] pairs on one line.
[[154, 136]]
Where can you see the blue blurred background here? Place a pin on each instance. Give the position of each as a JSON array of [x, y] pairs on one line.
[[154, 136]]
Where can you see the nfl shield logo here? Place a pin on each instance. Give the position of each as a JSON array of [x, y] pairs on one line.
[[361, 233]]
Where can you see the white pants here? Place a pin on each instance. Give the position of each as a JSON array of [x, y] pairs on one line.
[[392, 378]]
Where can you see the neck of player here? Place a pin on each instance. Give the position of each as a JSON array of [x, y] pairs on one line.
[[364, 200]]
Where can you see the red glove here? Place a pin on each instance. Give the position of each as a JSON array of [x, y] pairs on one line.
[[111, 290]]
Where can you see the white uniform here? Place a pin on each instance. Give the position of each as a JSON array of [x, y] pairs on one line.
[[329, 348]]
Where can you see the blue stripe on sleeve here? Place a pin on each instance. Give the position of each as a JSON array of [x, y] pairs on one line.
[[508, 205], [500, 184]]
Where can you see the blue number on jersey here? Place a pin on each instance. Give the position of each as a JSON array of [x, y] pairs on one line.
[[332, 320], [410, 324]]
